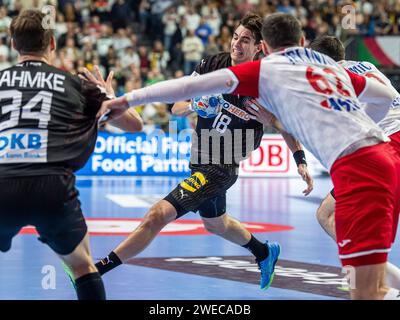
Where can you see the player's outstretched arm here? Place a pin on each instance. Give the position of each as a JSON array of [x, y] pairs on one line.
[[300, 158], [182, 108], [220, 81], [130, 121]]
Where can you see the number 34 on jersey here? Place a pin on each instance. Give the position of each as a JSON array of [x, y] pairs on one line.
[[19, 144]]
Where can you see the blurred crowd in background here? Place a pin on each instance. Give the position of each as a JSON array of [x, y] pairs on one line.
[[145, 41]]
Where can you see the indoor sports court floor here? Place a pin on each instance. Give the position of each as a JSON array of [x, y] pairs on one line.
[[185, 262]]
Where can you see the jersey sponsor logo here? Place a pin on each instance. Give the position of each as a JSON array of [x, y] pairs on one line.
[[194, 182], [123, 227], [23, 145], [236, 111]]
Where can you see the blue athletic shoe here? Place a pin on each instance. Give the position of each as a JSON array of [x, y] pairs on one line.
[[267, 266]]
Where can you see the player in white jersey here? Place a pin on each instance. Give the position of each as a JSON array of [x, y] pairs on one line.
[[315, 99], [334, 48]]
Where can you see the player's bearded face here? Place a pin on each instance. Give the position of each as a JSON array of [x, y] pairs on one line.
[[243, 46]]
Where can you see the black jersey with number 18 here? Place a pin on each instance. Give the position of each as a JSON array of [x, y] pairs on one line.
[[47, 120], [231, 135]]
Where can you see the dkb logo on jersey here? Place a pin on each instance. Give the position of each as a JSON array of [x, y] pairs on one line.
[[194, 182], [23, 145]]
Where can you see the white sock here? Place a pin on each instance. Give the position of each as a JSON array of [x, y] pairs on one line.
[[392, 294], [392, 276]]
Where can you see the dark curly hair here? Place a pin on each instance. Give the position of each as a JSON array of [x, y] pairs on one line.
[[253, 22]]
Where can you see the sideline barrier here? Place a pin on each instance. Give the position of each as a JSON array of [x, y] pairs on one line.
[[142, 155]]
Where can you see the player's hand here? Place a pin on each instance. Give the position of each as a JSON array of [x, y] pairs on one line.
[[98, 79], [112, 109], [259, 113], [305, 175]]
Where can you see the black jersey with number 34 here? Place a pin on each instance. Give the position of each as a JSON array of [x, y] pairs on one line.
[[246, 133], [47, 120]]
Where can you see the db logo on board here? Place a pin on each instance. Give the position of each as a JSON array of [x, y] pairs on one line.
[[273, 155]]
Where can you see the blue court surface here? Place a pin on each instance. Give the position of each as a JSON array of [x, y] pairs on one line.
[[185, 262]]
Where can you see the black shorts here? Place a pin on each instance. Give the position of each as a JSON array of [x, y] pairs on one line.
[[204, 191], [50, 203]]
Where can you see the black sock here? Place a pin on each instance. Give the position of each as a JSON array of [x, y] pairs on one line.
[[90, 287], [108, 263], [257, 248]]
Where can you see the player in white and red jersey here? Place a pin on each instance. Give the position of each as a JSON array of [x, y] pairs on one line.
[[315, 99], [391, 123], [333, 47]]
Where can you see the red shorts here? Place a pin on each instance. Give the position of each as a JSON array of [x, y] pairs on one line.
[[367, 192], [395, 143]]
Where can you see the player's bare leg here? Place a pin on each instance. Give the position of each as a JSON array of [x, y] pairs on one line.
[[158, 216], [153, 222], [87, 280], [392, 275], [369, 283], [228, 228], [326, 215], [80, 261]]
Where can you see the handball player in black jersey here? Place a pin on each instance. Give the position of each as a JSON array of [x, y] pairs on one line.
[[48, 129], [214, 166]]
